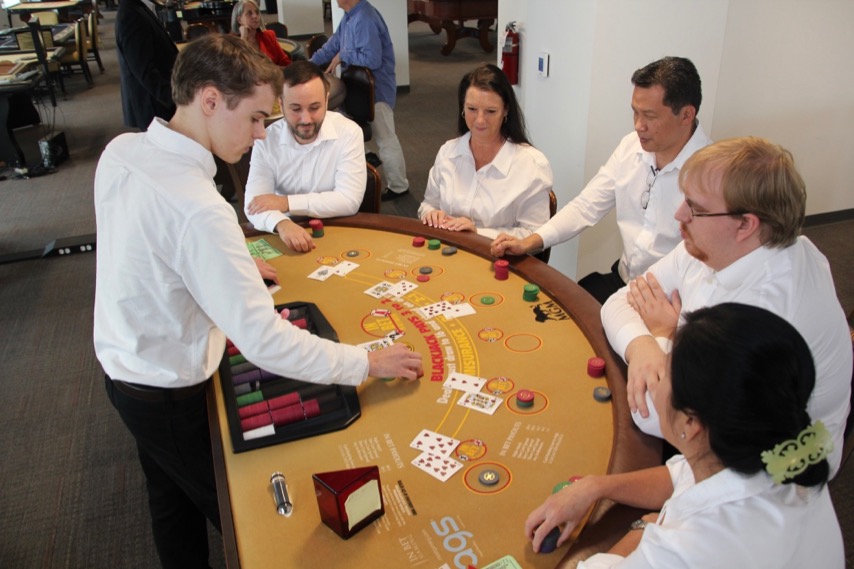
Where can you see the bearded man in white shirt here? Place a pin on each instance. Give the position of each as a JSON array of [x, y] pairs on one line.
[[743, 209], [174, 278], [639, 180], [312, 163]]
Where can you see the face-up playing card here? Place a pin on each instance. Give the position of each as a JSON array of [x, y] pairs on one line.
[[434, 443], [379, 290], [344, 267], [322, 273], [457, 310], [435, 309], [481, 402], [401, 288], [394, 335], [439, 467], [377, 344], [463, 382]]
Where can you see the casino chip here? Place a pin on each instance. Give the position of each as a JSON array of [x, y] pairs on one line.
[[418, 241], [434, 244], [422, 278], [601, 394], [487, 300], [489, 477], [525, 398], [352, 253], [448, 251], [595, 367], [425, 270]]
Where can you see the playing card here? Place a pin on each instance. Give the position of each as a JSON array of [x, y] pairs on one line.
[[462, 309], [394, 335], [377, 344], [401, 288], [344, 267], [463, 382], [434, 443], [439, 467], [379, 290], [435, 309], [322, 273], [481, 402]]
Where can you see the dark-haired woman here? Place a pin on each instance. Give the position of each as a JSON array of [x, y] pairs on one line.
[[749, 487], [490, 179]]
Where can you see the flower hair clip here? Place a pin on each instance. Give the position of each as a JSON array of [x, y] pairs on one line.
[[789, 458]]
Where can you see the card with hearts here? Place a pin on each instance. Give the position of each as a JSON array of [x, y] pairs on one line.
[[439, 467], [463, 382], [434, 443]]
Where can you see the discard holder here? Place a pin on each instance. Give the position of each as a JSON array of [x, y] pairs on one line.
[[349, 500]]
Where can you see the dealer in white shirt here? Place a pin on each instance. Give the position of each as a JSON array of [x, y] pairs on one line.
[[743, 209], [312, 163], [639, 180]]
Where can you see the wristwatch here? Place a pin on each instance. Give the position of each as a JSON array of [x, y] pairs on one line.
[[638, 524]]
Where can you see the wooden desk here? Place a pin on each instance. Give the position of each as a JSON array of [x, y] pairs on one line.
[[24, 9], [450, 15], [542, 345]]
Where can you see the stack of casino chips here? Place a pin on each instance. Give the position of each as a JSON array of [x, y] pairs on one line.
[[316, 227], [530, 292], [502, 269]]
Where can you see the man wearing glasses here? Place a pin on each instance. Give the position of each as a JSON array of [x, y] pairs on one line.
[[639, 179], [740, 220]]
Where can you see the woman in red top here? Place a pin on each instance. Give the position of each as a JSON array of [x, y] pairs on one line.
[[246, 23]]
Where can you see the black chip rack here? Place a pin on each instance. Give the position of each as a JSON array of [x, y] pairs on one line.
[[339, 405]]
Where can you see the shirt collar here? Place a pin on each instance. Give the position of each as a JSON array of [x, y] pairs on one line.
[[502, 161], [697, 141], [725, 486], [327, 132], [160, 134], [734, 275]]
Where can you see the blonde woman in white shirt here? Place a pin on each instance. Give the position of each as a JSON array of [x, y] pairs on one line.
[[489, 179], [749, 487]]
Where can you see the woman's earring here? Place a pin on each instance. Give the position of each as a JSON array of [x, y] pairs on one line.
[[463, 114]]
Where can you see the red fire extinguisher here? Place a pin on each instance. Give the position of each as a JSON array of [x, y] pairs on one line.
[[510, 54]]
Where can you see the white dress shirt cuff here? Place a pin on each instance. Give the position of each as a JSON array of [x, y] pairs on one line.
[[648, 425]]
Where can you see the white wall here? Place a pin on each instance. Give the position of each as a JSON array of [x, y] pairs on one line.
[[786, 75], [303, 17], [773, 68], [394, 14]]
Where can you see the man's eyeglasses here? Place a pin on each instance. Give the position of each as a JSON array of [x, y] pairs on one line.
[[650, 182], [701, 214]]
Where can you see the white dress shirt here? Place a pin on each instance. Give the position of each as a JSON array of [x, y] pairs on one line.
[[730, 520], [174, 275], [324, 178], [647, 234], [795, 283], [510, 194]]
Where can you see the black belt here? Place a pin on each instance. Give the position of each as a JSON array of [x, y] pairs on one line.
[[158, 394]]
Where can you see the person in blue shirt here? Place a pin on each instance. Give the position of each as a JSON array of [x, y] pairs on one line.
[[362, 39]]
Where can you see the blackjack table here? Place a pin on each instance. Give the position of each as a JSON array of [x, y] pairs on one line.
[[514, 401]]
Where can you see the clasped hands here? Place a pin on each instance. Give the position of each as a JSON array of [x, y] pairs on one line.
[[439, 219]]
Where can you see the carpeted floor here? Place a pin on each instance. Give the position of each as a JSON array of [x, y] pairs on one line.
[[72, 492]]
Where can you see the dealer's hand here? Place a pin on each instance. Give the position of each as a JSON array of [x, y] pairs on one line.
[[434, 218], [458, 224], [268, 271], [395, 361]]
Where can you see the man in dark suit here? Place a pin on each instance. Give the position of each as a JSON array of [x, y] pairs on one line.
[[146, 56]]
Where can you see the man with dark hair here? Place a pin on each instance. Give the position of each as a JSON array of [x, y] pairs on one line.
[[174, 279], [311, 163], [146, 55], [740, 219], [639, 180]]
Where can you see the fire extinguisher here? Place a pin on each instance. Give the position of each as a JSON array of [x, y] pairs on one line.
[[510, 54]]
